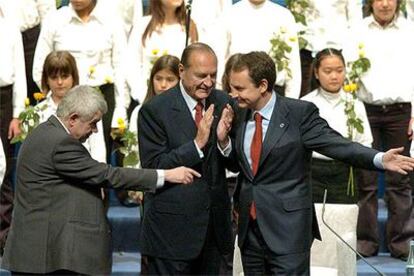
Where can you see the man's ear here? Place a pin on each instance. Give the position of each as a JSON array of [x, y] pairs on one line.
[[263, 85], [73, 118], [180, 70]]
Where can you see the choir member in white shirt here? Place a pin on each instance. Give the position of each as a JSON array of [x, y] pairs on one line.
[[12, 95], [161, 32], [205, 13], [29, 15], [249, 25], [329, 97], [59, 75], [388, 93], [328, 24], [98, 44]]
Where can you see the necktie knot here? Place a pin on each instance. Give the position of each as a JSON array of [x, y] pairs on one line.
[[258, 118]]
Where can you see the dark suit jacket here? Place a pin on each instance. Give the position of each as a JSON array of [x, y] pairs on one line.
[[281, 187], [59, 219], [176, 217]]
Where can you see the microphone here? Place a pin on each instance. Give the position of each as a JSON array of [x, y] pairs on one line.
[[187, 20], [347, 244]]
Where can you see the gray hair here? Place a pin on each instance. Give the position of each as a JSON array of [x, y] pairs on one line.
[[82, 100]]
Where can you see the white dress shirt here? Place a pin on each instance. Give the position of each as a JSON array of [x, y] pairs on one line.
[[247, 27], [205, 13], [95, 144], [12, 68], [98, 43], [390, 50], [328, 23], [332, 109], [29, 13], [410, 9], [168, 39]]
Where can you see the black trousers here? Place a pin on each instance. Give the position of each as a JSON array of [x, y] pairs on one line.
[[30, 38], [208, 262], [57, 272], [258, 259], [6, 191]]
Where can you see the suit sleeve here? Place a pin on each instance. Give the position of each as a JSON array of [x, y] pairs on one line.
[[154, 148], [318, 136], [73, 161]]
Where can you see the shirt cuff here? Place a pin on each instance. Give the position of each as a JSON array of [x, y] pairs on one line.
[[200, 152], [160, 178], [378, 160], [227, 150]]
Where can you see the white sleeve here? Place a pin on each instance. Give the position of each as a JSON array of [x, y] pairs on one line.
[[96, 144], [44, 7], [2, 163], [20, 86], [134, 64], [44, 46]]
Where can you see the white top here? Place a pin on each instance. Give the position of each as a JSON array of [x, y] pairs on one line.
[[247, 27], [328, 23], [390, 50], [29, 13], [128, 11], [206, 12], [95, 144], [2, 163], [331, 108], [100, 43], [410, 9], [169, 39], [12, 68]]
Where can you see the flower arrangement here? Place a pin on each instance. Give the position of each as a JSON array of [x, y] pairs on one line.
[[353, 81], [129, 147], [281, 46], [29, 118], [297, 8]]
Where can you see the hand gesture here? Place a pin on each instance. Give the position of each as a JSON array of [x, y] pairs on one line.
[[395, 162], [180, 175], [204, 127], [224, 126], [14, 128]]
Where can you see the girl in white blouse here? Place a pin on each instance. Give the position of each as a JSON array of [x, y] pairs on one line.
[[159, 33], [329, 97], [59, 75]]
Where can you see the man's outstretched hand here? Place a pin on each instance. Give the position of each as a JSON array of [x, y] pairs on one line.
[[181, 175], [395, 162]]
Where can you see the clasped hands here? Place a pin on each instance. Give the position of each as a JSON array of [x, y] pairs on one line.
[[223, 126]]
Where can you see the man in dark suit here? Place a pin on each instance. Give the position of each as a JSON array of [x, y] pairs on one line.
[[186, 230], [59, 224], [274, 144]]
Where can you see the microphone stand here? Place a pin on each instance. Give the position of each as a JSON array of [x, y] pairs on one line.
[[187, 20], [347, 244]]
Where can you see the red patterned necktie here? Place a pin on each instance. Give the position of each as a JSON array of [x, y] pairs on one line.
[[255, 151], [199, 113]]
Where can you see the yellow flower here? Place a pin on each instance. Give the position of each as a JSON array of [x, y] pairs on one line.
[[38, 96], [155, 52], [121, 121], [27, 102], [92, 70], [361, 46], [347, 88], [353, 86], [108, 80], [292, 39], [361, 53]]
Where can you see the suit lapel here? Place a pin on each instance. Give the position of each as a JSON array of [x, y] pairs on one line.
[[182, 115], [244, 164], [277, 127]]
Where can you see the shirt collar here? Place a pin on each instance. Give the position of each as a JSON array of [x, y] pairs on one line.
[[95, 14], [67, 130], [393, 24], [267, 111], [191, 103]]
